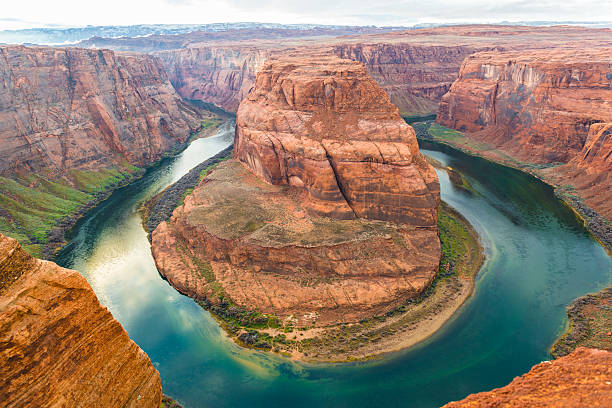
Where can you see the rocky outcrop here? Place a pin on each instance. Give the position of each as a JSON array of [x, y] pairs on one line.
[[332, 131], [581, 379], [63, 109], [59, 346], [590, 173], [327, 215], [216, 74], [536, 105], [414, 76]]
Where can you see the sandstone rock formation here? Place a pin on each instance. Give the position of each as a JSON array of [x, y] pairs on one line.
[[535, 105], [59, 346], [580, 379], [215, 74], [334, 222], [415, 76], [72, 108], [333, 132], [590, 171]]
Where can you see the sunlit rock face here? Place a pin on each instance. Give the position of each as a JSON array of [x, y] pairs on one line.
[[580, 379], [59, 346]]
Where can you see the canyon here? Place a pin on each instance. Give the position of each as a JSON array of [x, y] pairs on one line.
[[75, 123], [59, 346], [547, 112], [327, 214]]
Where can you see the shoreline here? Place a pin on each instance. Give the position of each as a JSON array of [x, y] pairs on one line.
[[399, 329], [59, 233], [579, 212]]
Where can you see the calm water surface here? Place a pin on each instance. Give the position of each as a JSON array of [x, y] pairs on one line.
[[539, 259]]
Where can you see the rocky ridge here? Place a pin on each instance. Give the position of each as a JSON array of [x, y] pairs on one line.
[[59, 346]]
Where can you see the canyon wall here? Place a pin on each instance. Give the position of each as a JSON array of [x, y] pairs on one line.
[[73, 108], [580, 379], [219, 75], [536, 105], [548, 108], [414, 76], [328, 213], [59, 346]]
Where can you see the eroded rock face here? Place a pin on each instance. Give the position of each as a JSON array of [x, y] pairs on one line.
[[219, 75], [580, 379], [536, 105], [415, 76], [59, 346], [328, 128], [328, 214], [72, 108]]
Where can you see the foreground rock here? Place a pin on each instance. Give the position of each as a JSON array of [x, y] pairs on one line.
[[581, 379], [59, 346], [327, 215]]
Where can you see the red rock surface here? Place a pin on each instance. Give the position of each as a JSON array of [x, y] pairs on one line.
[[72, 108], [590, 171], [59, 346], [414, 76], [535, 105], [344, 227], [219, 75], [328, 128], [580, 379]]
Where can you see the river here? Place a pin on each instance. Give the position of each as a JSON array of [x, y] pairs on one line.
[[539, 258]]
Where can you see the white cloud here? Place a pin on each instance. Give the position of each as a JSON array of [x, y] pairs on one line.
[[381, 12]]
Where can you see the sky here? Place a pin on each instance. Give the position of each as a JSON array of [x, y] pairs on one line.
[[17, 14]]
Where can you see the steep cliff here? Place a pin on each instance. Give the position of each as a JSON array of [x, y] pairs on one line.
[[59, 346], [581, 379], [414, 76], [74, 123], [535, 105], [590, 171], [216, 74], [332, 131], [334, 222]]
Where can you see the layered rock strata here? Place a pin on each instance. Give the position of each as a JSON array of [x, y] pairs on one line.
[[70, 108], [215, 74], [327, 215], [580, 379], [332, 131], [535, 105], [59, 346], [414, 76]]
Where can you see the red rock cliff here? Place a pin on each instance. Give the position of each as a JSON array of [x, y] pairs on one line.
[[414, 76], [216, 74], [59, 346], [580, 379], [73, 108], [328, 128], [535, 105]]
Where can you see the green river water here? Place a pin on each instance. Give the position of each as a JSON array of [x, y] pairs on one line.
[[539, 258]]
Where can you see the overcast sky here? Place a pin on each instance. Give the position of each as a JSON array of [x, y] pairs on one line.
[[38, 13]]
